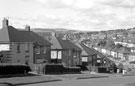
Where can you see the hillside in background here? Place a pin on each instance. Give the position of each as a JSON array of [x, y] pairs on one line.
[[56, 30]]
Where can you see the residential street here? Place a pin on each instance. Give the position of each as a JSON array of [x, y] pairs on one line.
[[67, 43], [111, 81]]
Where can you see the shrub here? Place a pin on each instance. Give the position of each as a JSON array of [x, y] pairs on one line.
[[53, 69], [72, 70], [83, 67], [59, 69], [14, 69]]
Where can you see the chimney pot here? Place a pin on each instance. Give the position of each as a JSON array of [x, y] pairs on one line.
[[53, 34], [27, 28], [5, 23]]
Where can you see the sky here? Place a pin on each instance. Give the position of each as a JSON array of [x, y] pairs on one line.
[[84, 15]]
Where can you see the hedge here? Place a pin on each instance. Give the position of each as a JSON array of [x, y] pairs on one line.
[[54, 69], [103, 70], [83, 67], [59, 69], [71, 70], [14, 69]]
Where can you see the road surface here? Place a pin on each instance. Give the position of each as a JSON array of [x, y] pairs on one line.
[[111, 81]]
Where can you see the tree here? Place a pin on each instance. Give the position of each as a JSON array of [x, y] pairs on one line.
[[102, 43], [118, 45], [120, 67], [113, 67], [110, 43]]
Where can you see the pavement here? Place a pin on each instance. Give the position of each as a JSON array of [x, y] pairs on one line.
[[34, 79], [25, 80], [111, 81], [86, 75]]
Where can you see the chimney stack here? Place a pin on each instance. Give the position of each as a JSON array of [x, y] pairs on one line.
[[5, 23], [64, 37], [27, 28], [53, 34]]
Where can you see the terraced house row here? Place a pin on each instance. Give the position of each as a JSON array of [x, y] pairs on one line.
[[117, 51]]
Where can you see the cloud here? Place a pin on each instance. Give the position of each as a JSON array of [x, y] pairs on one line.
[[55, 3], [86, 4], [121, 3], [73, 14], [77, 4]]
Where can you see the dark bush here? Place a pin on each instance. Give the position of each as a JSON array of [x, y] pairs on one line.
[[83, 67], [14, 69], [59, 69], [54, 69], [72, 70], [103, 70]]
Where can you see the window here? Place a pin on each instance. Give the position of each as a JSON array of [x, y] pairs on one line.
[[75, 54], [44, 50], [27, 47], [84, 59], [59, 54], [98, 61], [53, 54], [4, 47], [38, 50], [69, 52], [18, 48], [18, 61]]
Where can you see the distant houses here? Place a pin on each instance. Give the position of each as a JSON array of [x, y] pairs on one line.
[[116, 51]]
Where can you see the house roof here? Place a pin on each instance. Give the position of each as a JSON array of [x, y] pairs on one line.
[[56, 44], [87, 50], [100, 54], [10, 34], [132, 53], [92, 51], [115, 49], [124, 50], [36, 38], [132, 39], [133, 48], [59, 43], [84, 53]]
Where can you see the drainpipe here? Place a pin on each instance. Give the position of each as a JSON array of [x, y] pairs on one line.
[[57, 58]]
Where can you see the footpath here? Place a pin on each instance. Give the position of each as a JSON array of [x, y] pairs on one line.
[[33, 79]]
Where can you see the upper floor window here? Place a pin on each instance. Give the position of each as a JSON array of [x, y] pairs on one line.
[[69, 52], [44, 50], [5, 47], [75, 54], [38, 50], [18, 48], [27, 47]]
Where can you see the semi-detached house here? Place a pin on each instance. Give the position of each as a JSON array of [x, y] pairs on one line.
[[64, 52], [22, 46]]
